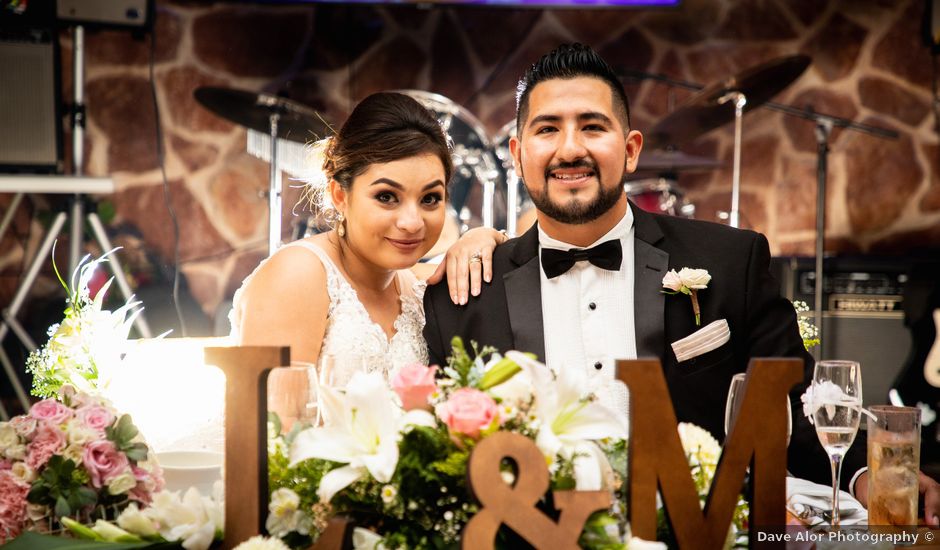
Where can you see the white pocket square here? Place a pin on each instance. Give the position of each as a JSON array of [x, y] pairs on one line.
[[704, 340]]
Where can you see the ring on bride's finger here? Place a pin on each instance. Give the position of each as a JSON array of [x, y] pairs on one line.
[[475, 257]]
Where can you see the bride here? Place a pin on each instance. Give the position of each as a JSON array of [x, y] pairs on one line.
[[348, 295]]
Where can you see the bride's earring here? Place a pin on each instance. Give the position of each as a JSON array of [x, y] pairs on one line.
[[341, 225]]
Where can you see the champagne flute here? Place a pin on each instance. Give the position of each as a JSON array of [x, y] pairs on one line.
[[837, 400], [736, 399]]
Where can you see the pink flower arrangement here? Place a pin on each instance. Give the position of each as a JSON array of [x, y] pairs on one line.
[[95, 417], [51, 411], [78, 450], [468, 411], [12, 504], [49, 440], [415, 384], [104, 462]]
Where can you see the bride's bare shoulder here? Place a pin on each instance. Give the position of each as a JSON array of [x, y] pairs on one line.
[[297, 266]]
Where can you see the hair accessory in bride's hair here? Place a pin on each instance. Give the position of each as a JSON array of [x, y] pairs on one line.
[[316, 178]]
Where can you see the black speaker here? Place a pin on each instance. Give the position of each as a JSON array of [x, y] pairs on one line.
[[30, 101], [863, 317], [30, 96]]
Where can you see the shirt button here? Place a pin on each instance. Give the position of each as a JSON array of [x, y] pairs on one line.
[[592, 306], [598, 365]]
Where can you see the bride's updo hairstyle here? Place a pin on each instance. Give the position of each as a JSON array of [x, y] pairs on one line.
[[384, 127]]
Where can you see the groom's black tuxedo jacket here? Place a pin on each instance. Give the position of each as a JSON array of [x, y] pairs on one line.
[[508, 315]]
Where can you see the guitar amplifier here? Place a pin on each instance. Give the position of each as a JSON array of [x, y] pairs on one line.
[[863, 319]]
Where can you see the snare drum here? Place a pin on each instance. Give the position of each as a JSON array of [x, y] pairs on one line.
[[660, 196]]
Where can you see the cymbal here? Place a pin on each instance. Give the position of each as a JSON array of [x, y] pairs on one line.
[[253, 110], [674, 161], [704, 111]]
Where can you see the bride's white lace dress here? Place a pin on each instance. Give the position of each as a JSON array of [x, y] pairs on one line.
[[352, 337]]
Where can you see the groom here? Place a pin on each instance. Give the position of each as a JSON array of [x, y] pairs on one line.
[[602, 301]]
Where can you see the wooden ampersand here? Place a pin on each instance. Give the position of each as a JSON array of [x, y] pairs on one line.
[[657, 461], [514, 505]]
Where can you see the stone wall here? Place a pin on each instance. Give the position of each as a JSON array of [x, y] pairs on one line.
[[869, 65]]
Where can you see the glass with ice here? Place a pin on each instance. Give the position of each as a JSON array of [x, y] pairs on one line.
[[893, 463]]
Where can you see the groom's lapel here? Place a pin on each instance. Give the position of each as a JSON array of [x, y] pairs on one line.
[[650, 265], [524, 296]]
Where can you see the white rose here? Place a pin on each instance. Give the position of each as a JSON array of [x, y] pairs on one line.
[[122, 483], [79, 434], [8, 436], [134, 521], [694, 278], [672, 281], [37, 512], [16, 452], [73, 453], [262, 543], [636, 543], [363, 539], [23, 472]]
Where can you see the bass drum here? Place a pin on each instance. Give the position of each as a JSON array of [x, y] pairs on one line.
[[660, 196], [473, 195]]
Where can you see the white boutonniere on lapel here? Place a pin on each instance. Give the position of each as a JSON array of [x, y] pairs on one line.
[[687, 281]]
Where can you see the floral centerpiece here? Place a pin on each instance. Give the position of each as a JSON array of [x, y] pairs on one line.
[[72, 455], [394, 456]]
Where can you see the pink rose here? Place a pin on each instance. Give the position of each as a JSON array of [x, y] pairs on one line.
[[5, 464], [414, 384], [50, 410], [12, 504], [49, 440], [148, 483], [24, 425], [95, 417], [468, 411], [103, 462]]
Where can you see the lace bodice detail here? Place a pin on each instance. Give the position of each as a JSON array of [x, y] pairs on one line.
[[352, 336]]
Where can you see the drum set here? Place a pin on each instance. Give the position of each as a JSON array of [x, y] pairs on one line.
[[485, 190]]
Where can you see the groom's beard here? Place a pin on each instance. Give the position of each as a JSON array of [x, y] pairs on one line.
[[577, 212]]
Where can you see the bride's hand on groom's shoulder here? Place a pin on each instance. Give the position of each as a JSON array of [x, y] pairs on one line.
[[468, 263]]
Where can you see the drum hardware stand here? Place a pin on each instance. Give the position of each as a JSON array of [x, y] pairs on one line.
[[740, 100], [77, 214], [274, 191]]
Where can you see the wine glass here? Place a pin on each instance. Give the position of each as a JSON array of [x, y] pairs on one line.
[[837, 403], [736, 399]]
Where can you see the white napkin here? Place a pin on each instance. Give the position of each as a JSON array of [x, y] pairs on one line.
[[801, 492], [704, 340]]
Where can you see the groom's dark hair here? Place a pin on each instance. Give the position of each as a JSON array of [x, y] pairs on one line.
[[565, 62]]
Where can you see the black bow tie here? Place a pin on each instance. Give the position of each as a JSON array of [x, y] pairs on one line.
[[607, 255]]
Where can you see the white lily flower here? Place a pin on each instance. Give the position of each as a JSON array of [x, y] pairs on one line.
[[569, 422], [192, 520], [366, 427]]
